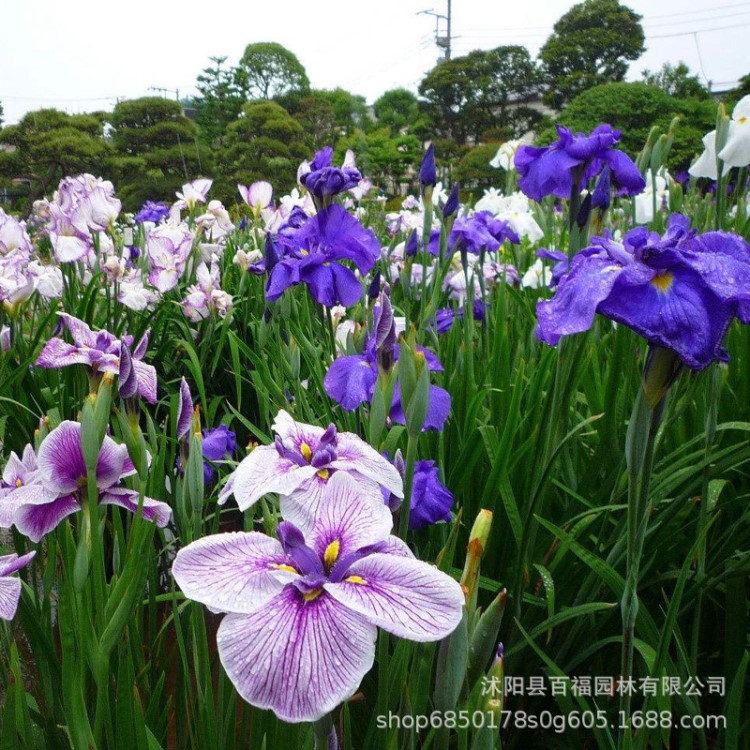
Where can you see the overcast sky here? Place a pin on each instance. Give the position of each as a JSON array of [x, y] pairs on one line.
[[81, 55]]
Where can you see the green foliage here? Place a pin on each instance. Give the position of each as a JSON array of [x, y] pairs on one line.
[[157, 150], [221, 99], [387, 159], [590, 45], [265, 143], [326, 116], [399, 110], [271, 70], [677, 81], [742, 89], [466, 96], [46, 145], [473, 171], [2, 112]]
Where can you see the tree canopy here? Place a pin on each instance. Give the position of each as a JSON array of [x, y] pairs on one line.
[[676, 80], [590, 45], [468, 95], [271, 70]]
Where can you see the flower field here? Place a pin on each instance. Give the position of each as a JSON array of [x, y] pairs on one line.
[[310, 471]]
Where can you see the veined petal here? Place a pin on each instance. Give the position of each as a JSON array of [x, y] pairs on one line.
[[58, 353], [355, 455], [300, 659], [11, 563], [350, 380], [61, 462], [264, 471], [302, 506], [34, 521], [406, 597], [153, 510], [352, 515], [10, 593], [235, 572], [146, 377]]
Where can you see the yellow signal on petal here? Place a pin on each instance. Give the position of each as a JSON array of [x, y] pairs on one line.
[[324, 473], [355, 579], [313, 595], [332, 553], [19, 483], [306, 451], [287, 568], [663, 281]]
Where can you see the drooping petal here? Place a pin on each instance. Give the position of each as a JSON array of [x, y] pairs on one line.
[[264, 471], [406, 597], [350, 380], [34, 521], [573, 308], [58, 353], [302, 505], [355, 455], [298, 658], [153, 510], [235, 572]]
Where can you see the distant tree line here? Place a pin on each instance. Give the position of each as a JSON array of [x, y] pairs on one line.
[[260, 118]]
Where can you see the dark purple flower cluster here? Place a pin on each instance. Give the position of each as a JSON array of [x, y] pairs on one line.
[[570, 162], [152, 211], [311, 255], [680, 291], [324, 180]]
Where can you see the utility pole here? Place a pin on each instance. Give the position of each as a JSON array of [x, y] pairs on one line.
[[444, 42], [166, 91]]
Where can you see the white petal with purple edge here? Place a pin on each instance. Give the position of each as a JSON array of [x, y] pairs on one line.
[[351, 513], [10, 593], [61, 463], [11, 563], [34, 521], [354, 455], [406, 597], [234, 572], [300, 659], [153, 510], [286, 428], [146, 377], [264, 471]]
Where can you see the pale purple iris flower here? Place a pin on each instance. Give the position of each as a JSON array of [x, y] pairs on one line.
[[101, 352], [301, 462], [58, 487], [13, 236], [258, 195], [207, 298], [10, 585], [193, 193], [303, 610], [168, 247], [19, 474]]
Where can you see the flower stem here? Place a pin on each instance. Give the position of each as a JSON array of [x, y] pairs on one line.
[[640, 447], [411, 457], [325, 734]]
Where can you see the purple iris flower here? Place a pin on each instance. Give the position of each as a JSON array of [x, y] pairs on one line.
[[480, 231], [299, 465], [561, 266], [57, 489], [431, 500], [303, 610], [445, 317], [351, 380], [314, 259], [100, 351], [680, 291], [10, 585], [152, 211], [324, 180], [428, 170], [572, 160], [218, 444]]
